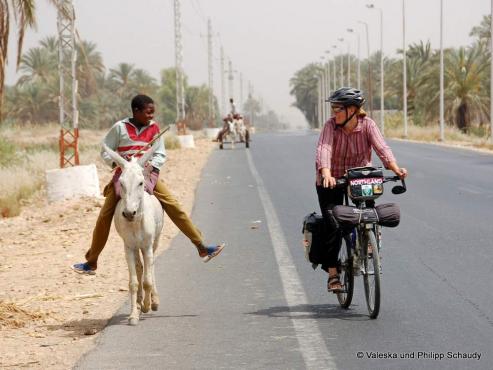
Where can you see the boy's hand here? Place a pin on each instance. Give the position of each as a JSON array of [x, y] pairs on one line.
[[151, 180]]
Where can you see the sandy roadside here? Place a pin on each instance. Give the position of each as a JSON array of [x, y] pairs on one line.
[[49, 315]]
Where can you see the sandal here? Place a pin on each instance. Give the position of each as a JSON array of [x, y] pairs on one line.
[[334, 284], [212, 251]]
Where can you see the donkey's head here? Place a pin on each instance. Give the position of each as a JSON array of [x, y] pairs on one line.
[[132, 181]]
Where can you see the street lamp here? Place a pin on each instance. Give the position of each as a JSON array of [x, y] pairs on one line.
[[370, 94], [442, 118], [382, 105], [351, 30], [323, 90], [404, 67], [334, 71], [342, 62], [491, 74], [327, 70]]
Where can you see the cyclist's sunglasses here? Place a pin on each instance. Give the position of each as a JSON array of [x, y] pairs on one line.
[[337, 108]]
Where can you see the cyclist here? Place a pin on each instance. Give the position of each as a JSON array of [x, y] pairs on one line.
[[345, 141]]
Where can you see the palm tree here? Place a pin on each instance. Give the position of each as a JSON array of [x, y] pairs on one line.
[[38, 64], [90, 67], [143, 82], [23, 12], [122, 76], [197, 106], [466, 71], [304, 88]]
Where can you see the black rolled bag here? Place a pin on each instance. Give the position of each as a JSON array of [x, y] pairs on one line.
[[387, 214], [314, 235]]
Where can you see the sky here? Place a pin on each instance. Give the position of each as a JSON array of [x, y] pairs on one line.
[[266, 40]]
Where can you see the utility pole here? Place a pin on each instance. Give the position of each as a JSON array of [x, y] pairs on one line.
[[223, 92], [212, 114], [67, 100], [180, 89], [230, 80]]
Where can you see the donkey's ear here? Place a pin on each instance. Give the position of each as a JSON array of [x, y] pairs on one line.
[[119, 160], [148, 154]]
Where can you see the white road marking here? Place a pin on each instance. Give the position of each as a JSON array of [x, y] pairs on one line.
[[312, 345]]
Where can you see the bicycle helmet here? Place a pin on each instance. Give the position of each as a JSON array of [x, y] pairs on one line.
[[347, 96]]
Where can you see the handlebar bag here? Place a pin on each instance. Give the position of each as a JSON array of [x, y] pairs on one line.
[[365, 183], [389, 214]]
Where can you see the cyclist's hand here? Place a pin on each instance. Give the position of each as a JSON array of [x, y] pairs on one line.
[[401, 172], [327, 180]]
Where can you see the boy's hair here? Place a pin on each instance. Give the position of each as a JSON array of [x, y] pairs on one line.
[[139, 102]]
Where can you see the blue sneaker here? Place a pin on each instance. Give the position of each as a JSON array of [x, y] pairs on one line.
[[213, 251], [83, 268]]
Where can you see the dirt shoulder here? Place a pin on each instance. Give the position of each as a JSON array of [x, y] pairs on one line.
[[49, 315]]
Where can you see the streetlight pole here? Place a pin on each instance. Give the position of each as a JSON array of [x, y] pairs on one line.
[[327, 69], [404, 66], [323, 89], [382, 94], [491, 74], [370, 94], [342, 63], [319, 105], [442, 119], [335, 66], [351, 30]]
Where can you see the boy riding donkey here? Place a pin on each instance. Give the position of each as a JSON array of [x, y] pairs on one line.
[[129, 137]]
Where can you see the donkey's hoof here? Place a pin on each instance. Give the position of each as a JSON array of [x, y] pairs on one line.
[[145, 308], [154, 306], [132, 321]]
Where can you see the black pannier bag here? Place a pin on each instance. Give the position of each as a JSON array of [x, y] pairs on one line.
[[365, 183], [315, 238], [387, 214]]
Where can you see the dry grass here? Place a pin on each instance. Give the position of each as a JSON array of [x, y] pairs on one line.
[[27, 152], [12, 316], [394, 129]]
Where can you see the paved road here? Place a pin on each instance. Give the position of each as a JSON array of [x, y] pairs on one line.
[[261, 306]]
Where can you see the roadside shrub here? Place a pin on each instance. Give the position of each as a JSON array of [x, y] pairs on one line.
[[171, 142]]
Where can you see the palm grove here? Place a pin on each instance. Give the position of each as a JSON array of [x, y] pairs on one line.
[[104, 95], [466, 82]]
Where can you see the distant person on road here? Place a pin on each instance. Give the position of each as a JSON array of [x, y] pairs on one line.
[[127, 137], [232, 104], [345, 141]]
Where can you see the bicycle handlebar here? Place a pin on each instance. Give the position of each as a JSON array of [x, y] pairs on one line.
[[341, 182]]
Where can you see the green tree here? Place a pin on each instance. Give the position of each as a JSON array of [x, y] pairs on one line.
[[23, 12], [197, 106], [304, 88]]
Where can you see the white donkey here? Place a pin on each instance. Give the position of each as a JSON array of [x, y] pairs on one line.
[[138, 220], [231, 134]]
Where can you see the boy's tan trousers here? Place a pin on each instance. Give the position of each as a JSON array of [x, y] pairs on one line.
[[169, 204]]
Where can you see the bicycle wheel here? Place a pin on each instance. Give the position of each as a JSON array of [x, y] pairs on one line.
[[346, 274], [371, 276]]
